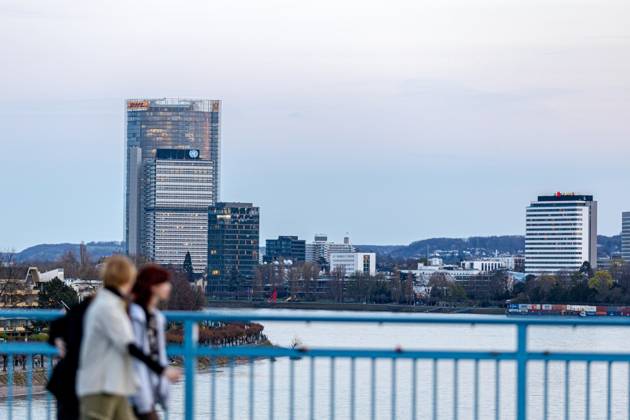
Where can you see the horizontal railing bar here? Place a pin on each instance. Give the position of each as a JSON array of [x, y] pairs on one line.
[[246, 316], [251, 351], [32, 347], [30, 314], [583, 357], [397, 319], [260, 351]]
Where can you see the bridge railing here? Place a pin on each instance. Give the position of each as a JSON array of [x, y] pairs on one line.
[[260, 382]]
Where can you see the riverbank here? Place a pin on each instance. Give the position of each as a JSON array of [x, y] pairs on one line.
[[370, 307]]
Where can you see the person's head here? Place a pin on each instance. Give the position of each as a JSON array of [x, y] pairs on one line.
[[119, 273], [153, 285]]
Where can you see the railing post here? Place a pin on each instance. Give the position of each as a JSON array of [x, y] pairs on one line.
[[521, 375], [190, 362]]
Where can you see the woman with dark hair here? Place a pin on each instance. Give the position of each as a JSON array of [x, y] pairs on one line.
[[152, 286]]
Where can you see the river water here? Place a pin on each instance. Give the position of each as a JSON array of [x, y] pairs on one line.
[[442, 337]]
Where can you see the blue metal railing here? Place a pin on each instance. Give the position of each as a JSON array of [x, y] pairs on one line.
[[243, 392]]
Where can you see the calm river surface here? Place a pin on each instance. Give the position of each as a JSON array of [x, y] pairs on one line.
[[443, 337]]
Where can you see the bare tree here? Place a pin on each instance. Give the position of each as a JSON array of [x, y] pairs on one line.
[[408, 292], [184, 296], [258, 289], [10, 274], [338, 283], [71, 266], [396, 287], [295, 283]]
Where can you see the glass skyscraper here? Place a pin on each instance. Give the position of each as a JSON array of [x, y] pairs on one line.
[[233, 241], [169, 124]]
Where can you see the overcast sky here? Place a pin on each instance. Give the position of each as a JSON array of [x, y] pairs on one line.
[[391, 120]]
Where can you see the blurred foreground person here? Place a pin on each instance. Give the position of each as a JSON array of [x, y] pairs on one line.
[[153, 285], [106, 379], [65, 334]]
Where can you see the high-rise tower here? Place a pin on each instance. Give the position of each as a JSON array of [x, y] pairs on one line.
[[561, 233], [168, 124]]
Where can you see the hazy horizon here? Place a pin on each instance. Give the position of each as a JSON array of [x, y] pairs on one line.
[[391, 122]]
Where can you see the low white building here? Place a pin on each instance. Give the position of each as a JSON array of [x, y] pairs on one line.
[[84, 288], [353, 262], [489, 264], [33, 274]]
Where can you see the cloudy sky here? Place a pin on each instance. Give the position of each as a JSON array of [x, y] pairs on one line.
[[391, 120]]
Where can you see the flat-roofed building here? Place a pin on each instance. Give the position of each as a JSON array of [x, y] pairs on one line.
[[561, 233], [178, 191], [233, 241], [351, 263]]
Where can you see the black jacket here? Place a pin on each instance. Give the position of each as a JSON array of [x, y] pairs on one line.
[[69, 328]]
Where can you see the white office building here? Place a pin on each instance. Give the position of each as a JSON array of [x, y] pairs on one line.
[[489, 264], [178, 191], [625, 236], [353, 262], [561, 233], [322, 248]]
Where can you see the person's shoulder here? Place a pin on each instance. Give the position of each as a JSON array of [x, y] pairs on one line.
[[137, 313]]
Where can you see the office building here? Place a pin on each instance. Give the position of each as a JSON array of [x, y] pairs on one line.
[[483, 265], [178, 190], [233, 240], [561, 233], [490, 264], [320, 249], [625, 236], [152, 124], [285, 248], [351, 263]]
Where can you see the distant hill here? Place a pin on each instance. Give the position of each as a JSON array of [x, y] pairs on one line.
[[53, 252], [476, 246]]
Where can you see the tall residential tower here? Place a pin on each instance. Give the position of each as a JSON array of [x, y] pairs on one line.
[[167, 191], [561, 233]]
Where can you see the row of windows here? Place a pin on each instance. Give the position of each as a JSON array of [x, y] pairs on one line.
[[553, 212], [562, 204], [547, 269], [543, 218], [559, 247], [553, 224], [182, 201], [549, 264], [569, 234], [568, 259], [553, 253], [553, 228], [179, 180]]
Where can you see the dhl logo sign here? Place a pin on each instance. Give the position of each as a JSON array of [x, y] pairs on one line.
[[137, 105]]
